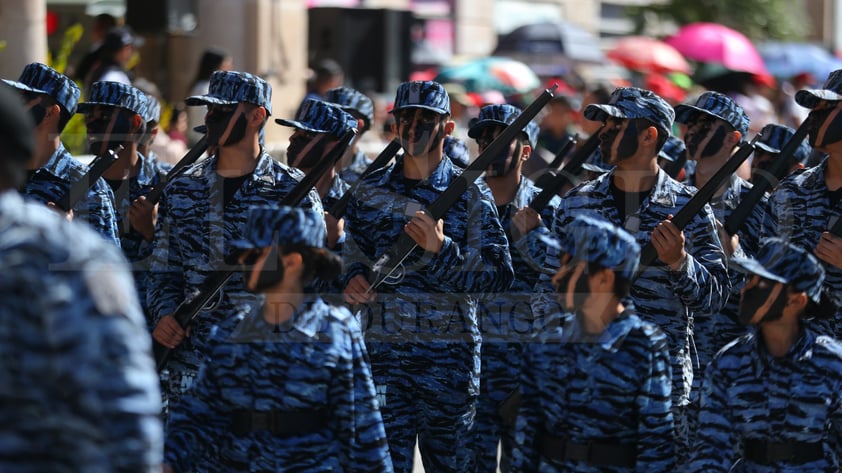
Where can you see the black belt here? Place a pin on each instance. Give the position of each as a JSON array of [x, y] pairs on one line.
[[593, 453], [278, 422], [765, 452]]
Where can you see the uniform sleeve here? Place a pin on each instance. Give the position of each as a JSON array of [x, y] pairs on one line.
[[97, 209], [702, 280], [656, 437], [525, 454], [483, 263], [106, 362], [166, 277], [715, 446], [779, 217], [195, 423], [360, 429], [543, 300]]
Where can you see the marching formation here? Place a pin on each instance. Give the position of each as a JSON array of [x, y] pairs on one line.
[[235, 313]]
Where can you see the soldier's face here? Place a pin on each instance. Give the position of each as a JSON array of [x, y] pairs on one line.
[[762, 300], [507, 160], [107, 127], [420, 130], [618, 140], [306, 148], [825, 124], [705, 136], [571, 283]]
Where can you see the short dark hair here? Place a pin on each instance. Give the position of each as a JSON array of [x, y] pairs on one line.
[[622, 284], [318, 262], [643, 123]]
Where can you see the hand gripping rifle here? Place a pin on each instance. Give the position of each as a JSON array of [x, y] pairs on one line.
[[337, 210], [191, 157], [693, 206], [189, 309], [545, 179], [393, 259], [765, 182], [80, 188]]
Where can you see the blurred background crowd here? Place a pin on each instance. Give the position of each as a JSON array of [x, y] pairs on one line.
[[485, 51]]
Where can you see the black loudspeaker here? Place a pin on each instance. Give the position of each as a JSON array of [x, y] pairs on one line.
[[373, 46], [159, 16]]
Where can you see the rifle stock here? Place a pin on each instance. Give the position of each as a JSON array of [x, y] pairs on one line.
[[392, 259], [566, 174], [547, 178], [187, 311], [191, 157], [740, 214], [686, 214], [80, 188], [389, 152]]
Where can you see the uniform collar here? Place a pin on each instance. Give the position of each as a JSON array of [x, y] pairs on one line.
[[801, 351], [663, 193], [440, 177], [609, 340], [58, 162]]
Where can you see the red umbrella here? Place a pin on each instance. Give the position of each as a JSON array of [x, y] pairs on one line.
[[645, 54], [717, 44]]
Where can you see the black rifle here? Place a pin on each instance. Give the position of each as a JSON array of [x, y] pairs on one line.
[[567, 174], [80, 188], [673, 168], [693, 206], [547, 178], [188, 310], [764, 182], [191, 157], [390, 261], [337, 210]]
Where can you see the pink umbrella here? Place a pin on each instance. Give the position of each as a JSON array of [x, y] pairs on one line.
[[718, 44], [642, 53]]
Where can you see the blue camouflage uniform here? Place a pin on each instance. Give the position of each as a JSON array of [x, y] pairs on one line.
[[801, 208], [597, 403], [422, 331], [756, 408], [309, 373], [78, 388], [773, 138], [505, 319], [192, 237], [713, 331], [659, 295], [137, 250], [360, 106], [50, 182]]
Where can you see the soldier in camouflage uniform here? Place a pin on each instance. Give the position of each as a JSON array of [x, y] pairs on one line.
[[352, 101], [773, 138], [318, 128], [420, 325], [78, 389], [689, 275], [115, 114], [206, 207], [287, 386], [505, 320], [807, 204], [152, 117], [772, 400], [596, 389], [52, 99], [715, 126]]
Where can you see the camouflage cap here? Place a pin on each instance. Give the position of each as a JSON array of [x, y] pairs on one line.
[[599, 242], [267, 226], [631, 102], [457, 151], [318, 116], [503, 115], [774, 137], [718, 106], [831, 90], [232, 87], [115, 94], [427, 94], [672, 149], [785, 263], [41, 79], [354, 102], [153, 110]]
